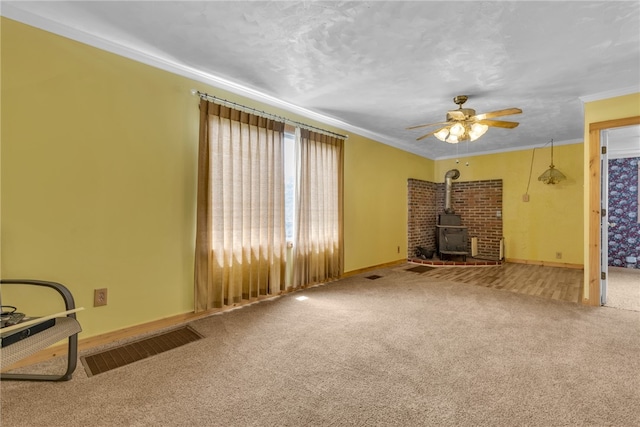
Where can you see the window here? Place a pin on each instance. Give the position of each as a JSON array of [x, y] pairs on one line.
[[264, 189]]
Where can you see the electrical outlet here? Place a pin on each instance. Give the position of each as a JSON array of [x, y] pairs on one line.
[[99, 297], [558, 255]]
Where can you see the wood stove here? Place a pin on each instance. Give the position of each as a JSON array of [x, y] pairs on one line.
[[451, 237]]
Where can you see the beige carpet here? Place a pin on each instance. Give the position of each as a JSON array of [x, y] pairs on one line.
[[401, 350], [623, 288]]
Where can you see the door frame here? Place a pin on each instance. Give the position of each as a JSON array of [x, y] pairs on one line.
[[595, 203], [604, 216]]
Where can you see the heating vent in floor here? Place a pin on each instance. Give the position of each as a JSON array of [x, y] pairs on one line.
[[373, 277], [420, 269], [128, 353]]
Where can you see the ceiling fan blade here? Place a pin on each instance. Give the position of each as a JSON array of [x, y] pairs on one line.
[[498, 113], [429, 134], [499, 123], [424, 126]]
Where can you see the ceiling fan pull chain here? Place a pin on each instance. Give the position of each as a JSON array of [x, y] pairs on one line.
[[467, 163]]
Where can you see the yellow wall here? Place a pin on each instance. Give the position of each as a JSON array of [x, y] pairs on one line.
[[98, 179], [551, 221], [599, 111], [376, 201]]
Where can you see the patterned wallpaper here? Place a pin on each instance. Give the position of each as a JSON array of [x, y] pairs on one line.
[[624, 236]]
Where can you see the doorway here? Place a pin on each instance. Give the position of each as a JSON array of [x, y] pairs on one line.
[[620, 226], [597, 269]]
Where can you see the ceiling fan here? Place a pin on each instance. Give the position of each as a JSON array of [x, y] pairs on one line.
[[464, 124]]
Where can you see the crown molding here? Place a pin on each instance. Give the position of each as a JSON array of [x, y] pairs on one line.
[[507, 150], [609, 94]]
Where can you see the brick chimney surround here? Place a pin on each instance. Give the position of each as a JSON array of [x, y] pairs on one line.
[[479, 204]]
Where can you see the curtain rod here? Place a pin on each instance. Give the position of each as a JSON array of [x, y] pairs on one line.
[[213, 98]]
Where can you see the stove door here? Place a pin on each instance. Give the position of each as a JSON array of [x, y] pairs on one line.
[[453, 239]]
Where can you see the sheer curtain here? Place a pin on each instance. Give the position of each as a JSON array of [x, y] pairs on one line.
[[318, 239], [240, 233]]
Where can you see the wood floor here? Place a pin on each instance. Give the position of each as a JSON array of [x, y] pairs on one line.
[[563, 284]]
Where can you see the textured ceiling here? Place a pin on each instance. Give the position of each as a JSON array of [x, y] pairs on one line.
[[381, 66]]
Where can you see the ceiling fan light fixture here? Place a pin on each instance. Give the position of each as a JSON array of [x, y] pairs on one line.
[[442, 134], [464, 124], [477, 130], [458, 130], [452, 139]]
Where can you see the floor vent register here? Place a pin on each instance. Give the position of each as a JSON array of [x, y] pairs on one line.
[[132, 352]]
